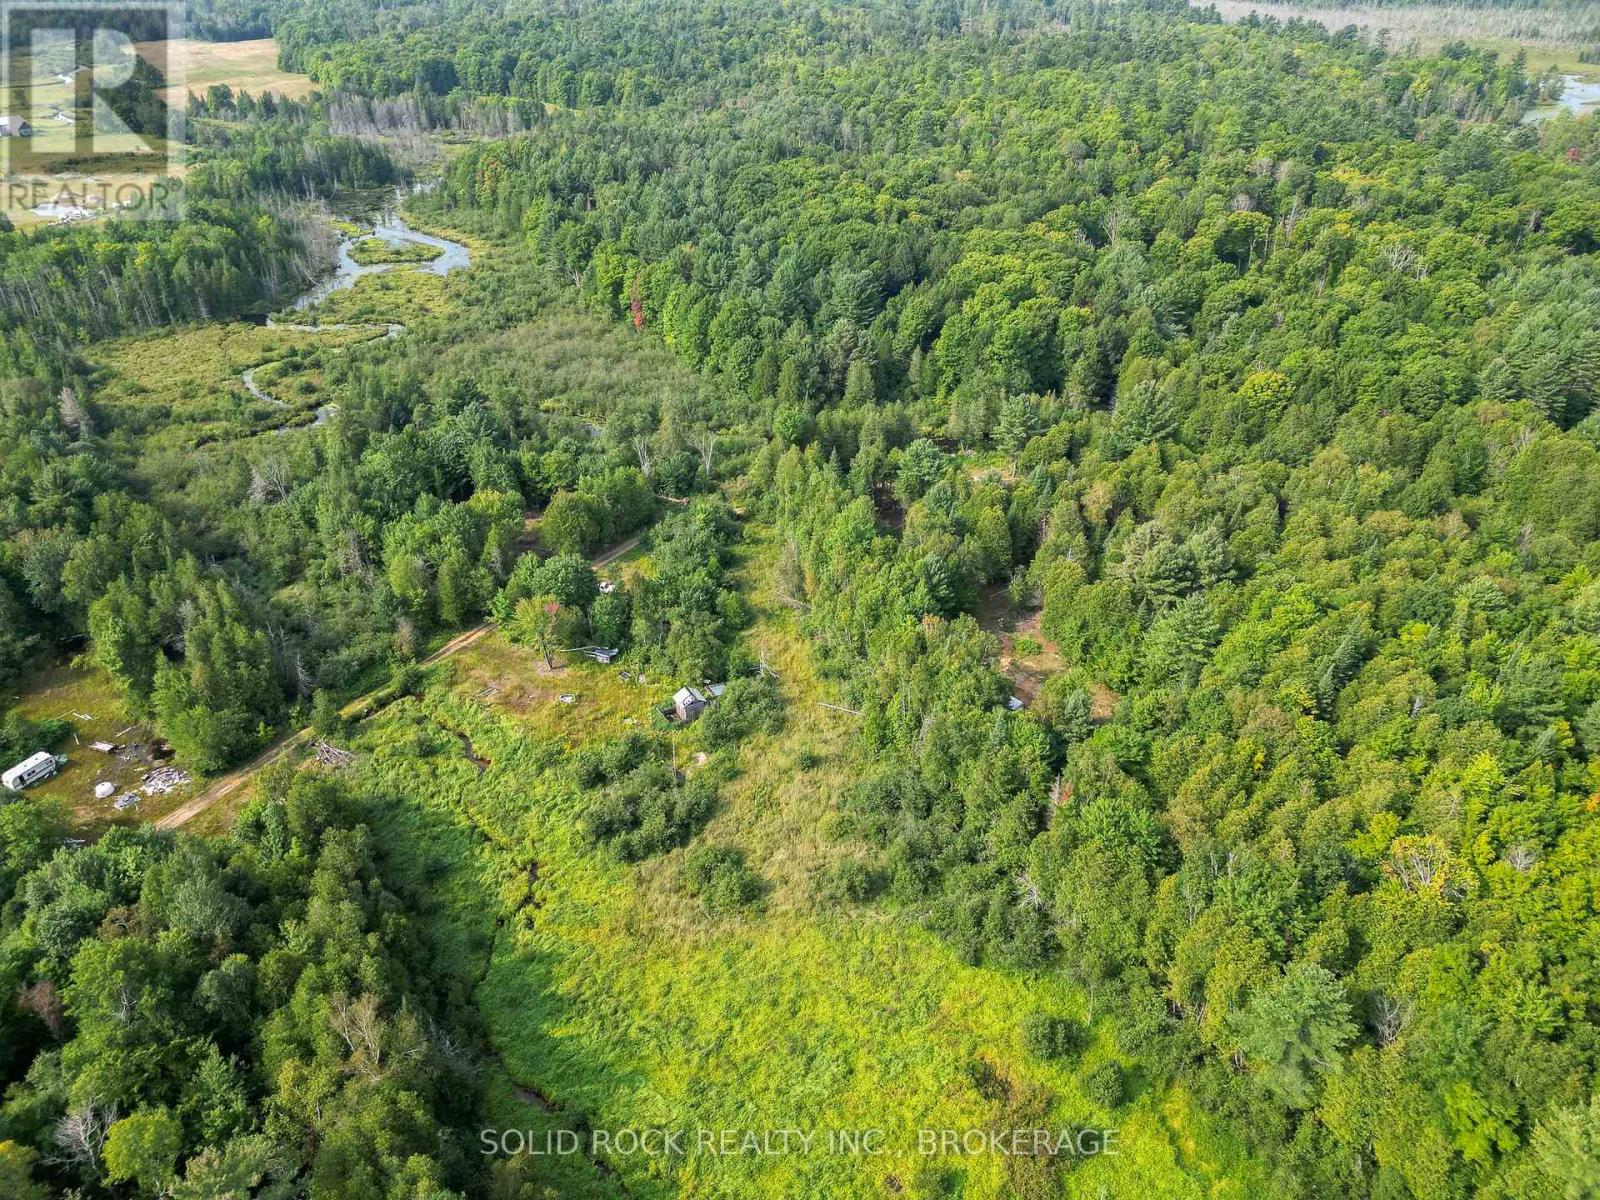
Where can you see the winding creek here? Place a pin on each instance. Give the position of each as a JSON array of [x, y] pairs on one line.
[[392, 230]]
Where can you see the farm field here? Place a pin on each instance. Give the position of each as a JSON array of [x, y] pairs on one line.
[[124, 162], [245, 66]]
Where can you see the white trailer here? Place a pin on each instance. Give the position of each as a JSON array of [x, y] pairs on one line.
[[30, 770]]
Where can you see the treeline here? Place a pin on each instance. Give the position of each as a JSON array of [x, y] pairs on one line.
[[258, 1014], [630, 55]]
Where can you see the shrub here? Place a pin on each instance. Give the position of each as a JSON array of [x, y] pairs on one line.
[[850, 882], [325, 719], [718, 875], [20, 737], [747, 706], [1103, 1085], [649, 810], [1049, 1037]]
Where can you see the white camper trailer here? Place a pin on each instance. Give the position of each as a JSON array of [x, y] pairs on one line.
[[30, 770]]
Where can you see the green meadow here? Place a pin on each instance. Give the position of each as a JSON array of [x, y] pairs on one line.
[[615, 1002]]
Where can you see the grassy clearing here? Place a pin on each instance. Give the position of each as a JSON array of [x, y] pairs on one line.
[[616, 1001], [87, 697], [372, 250], [193, 374], [250, 66], [171, 394], [386, 297]]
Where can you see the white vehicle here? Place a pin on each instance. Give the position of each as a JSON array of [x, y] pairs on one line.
[[30, 770]]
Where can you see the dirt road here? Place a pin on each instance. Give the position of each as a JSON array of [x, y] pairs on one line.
[[226, 785]]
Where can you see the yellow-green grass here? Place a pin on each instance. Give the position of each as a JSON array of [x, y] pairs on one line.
[[250, 66], [398, 296], [178, 389], [514, 680], [87, 697], [613, 998], [374, 250], [622, 1002]]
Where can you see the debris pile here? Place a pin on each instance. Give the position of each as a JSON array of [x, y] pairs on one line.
[[162, 780], [330, 755]]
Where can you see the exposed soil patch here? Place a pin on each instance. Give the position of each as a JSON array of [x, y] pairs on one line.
[[1102, 702], [1027, 666]]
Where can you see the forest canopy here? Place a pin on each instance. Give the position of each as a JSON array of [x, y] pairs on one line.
[[1250, 370]]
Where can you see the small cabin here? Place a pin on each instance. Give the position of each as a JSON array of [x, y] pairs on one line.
[[30, 771], [15, 127], [688, 703]]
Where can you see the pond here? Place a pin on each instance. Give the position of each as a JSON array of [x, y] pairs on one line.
[[1579, 96]]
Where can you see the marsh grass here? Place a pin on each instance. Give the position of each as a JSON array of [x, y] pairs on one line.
[[613, 999]]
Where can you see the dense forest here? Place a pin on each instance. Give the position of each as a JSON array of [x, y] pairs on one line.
[[1255, 365]]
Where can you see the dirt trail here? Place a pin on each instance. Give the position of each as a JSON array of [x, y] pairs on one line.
[[226, 785]]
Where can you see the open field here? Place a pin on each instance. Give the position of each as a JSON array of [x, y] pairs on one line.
[[615, 1001], [45, 94], [170, 393], [250, 66]]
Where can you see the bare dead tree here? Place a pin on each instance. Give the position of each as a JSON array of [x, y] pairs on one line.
[[705, 441], [352, 556], [1402, 258], [74, 415], [1028, 890], [80, 1134], [641, 447], [1390, 1017], [359, 1025], [269, 482], [1521, 858]]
